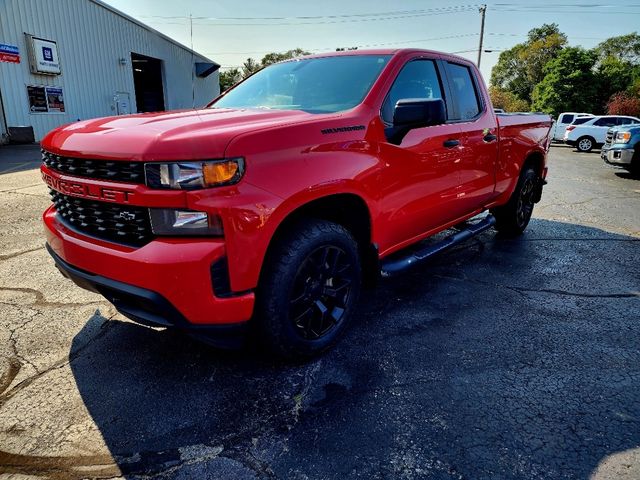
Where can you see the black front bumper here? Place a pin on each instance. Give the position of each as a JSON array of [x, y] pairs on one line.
[[148, 307]]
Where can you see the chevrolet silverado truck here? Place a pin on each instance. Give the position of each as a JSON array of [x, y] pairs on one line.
[[622, 148], [269, 209]]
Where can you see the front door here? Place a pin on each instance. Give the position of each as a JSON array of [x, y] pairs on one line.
[[420, 183]]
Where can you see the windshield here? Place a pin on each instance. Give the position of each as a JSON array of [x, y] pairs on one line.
[[315, 85]]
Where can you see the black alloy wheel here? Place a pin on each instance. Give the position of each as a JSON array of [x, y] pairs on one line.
[[526, 202], [309, 289], [320, 292]]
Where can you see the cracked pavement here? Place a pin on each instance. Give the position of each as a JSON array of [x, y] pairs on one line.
[[499, 359]]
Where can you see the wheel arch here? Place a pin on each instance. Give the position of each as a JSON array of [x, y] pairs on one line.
[[537, 160], [348, 209]]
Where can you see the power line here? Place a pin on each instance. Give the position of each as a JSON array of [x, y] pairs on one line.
[[570, 5], [314, 17], [368, 45], [447, 11]]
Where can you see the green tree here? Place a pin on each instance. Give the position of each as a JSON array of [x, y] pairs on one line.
[[249, 67], [270, 58], [507, 100], [614, 75], [521, 67], [625, 48], [232, 76], [229, 78], [569, 84]]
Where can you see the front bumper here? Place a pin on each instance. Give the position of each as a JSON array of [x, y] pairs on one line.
[[619, 157], [167, 282]]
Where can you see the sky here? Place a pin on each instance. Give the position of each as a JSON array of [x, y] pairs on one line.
[[229, 31]]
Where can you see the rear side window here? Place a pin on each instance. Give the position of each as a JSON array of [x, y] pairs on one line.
[[581, 120], [417, 79], [464, 90], [606, 122], [566, 118]]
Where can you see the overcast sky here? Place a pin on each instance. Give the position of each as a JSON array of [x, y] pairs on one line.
[[229, 31]]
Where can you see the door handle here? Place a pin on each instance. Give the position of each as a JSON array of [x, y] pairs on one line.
[[490, 137], [451, 143]]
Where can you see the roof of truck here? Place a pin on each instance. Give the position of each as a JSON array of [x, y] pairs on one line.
[[380, 51]]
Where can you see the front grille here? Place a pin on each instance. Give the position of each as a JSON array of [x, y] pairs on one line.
[[117, 171], [106, 221], [609, 138]]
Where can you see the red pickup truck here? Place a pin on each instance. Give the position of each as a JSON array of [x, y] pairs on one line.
[[274, 204]]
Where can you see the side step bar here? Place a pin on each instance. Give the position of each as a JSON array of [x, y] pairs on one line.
[[397, 265]]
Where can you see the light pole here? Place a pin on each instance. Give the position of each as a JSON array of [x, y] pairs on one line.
[[483, 11]]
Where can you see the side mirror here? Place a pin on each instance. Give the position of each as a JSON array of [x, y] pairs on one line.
[[410, 113]]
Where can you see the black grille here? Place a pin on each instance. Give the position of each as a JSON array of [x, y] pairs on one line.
[[117, 171], [107, 221]]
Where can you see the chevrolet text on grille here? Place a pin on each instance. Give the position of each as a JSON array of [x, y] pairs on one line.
[[95, 192]]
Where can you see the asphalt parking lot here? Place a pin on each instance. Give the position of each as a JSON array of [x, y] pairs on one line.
[[501, 359]]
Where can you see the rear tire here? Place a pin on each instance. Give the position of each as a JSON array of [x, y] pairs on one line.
[[309, 289], [513, 218], [585, 144]]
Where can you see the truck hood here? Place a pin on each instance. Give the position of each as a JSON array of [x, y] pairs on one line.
[[177, 135]]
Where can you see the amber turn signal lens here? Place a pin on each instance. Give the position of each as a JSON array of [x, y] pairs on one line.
[[219, 172]]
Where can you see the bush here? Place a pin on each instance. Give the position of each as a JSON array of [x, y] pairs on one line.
[[624, 103]]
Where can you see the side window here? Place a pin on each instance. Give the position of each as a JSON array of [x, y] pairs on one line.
[[417, 79], [566, 118], [605, 122], [625, 121], [464, 91]]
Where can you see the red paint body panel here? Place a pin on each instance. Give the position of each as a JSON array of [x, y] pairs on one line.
[[411, 190]]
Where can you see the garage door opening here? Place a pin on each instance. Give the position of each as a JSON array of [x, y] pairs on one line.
[[147, 80]]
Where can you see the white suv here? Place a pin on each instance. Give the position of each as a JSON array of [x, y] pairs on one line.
[[588, 133], [564, 120]]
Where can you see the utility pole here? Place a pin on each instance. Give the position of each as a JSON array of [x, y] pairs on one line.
[[193, 65], [483, 11]]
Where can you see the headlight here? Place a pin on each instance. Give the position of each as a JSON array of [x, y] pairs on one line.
[[184, 222], [623, 137], [194, 175]]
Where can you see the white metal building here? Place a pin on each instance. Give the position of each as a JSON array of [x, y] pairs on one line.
[[64, 60]]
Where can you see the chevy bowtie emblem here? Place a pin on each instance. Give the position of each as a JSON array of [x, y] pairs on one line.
[[127, 216]]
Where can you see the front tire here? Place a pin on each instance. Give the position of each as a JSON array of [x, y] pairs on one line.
[[309, 289], [513, 218], [585, 144]]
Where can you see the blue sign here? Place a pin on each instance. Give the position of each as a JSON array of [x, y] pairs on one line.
[[47, 54], [9, 53]]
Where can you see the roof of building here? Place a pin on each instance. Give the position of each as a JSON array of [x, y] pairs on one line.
[[153, 30]]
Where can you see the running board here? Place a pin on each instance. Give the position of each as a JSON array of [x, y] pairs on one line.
[[395, 266]]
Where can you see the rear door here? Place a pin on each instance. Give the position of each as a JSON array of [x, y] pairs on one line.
[[599, 129], [419, 186], [479, 137]]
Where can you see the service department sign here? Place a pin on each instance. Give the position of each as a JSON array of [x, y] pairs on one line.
[[9, 53], [43, 56]]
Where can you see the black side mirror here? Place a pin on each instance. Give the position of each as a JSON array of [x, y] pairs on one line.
[[410, 113]]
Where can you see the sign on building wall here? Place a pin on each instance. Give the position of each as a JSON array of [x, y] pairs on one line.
[[45, 99], [9, 53], [43, 56], [55, 99]]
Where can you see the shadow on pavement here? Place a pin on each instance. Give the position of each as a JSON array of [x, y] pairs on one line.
[[500, 359], [17, 158], [628, 175]]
